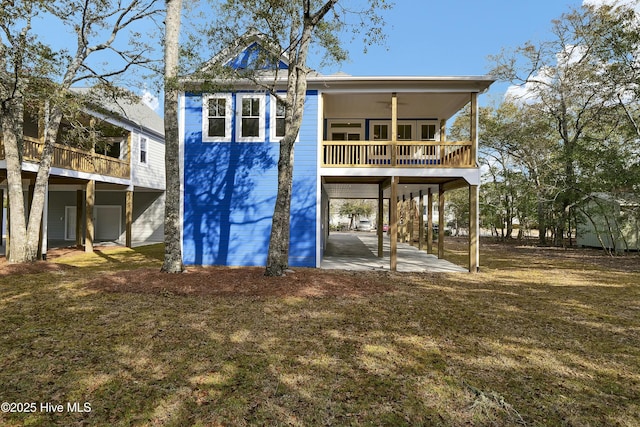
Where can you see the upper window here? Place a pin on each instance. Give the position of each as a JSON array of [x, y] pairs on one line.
[[405, 132], [380, 132], [277, 119], [216, 120], [251, 118], [143, 158], [427, 131], [346, 130]]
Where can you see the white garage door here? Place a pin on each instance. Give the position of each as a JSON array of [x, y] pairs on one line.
[[106, 219], [107, 222]]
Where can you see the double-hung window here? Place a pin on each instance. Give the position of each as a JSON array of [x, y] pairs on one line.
[[277, 124], [250, 119], [216, 120], [428, 130], [142, 148]]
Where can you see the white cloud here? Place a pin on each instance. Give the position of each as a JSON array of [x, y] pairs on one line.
[[151, 101], [528, 93], [598, 3]]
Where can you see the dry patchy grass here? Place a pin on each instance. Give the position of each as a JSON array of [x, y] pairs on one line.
[[537, 338]]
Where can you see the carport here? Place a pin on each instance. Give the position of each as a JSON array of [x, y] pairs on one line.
[[412, 198], [358, 251]]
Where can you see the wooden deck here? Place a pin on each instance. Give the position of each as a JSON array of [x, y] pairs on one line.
[[404, 154], [65, 157]]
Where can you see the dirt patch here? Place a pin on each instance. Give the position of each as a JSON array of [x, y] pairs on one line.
[[7, 269], [246, 281]]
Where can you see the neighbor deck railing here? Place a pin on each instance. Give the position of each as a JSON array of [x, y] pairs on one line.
[[403, 154], [74, 159]]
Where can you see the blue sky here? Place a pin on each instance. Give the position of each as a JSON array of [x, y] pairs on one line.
[[454, 37]]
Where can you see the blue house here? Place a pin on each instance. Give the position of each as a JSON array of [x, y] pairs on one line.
[[361, 137]]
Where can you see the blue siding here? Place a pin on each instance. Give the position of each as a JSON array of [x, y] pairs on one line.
[[230, 190]]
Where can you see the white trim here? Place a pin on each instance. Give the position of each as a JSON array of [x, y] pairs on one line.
[[142, 139], [391, 89], [415, 129], [319, 207], [373, 123], [80, 175], [471, 175], [272, 121], [261, 118], [331, 122], [435, 123], [273, 102], [228, 116], [411, 123]]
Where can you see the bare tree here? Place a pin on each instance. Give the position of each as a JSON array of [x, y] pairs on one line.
[[96, 25]]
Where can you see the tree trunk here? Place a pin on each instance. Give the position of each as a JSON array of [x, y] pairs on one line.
[[542, 220], [172, 232], [40, 191], [12, 140], [278, 255]]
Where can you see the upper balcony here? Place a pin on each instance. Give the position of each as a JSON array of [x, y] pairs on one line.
[[109, 156], [404, 154], [75, 159], [396, 130]]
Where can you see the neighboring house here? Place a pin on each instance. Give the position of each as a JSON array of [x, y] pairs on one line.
[[121, 181], [610, 222], [361, 137]]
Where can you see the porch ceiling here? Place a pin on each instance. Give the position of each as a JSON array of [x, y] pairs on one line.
[[441, 105], [367, 188]]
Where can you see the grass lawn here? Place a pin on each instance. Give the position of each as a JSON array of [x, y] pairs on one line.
[[538, 337]]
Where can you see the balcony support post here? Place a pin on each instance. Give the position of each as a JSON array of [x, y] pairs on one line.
[[420, 220], [394, 128], [393, 225], [129, 217], [8, 229], [441, 222], [380, 220], [90, 202], [429, 221], [474, 247], [79, 204], [412, 218], [403, 219], [473, 132], [443, 138]]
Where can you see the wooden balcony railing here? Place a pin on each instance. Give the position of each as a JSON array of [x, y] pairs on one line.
[[403, 154], [74, 159]]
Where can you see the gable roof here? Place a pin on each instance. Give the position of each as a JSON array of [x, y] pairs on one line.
[[129, 109], [247, 52], [251, 56]]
